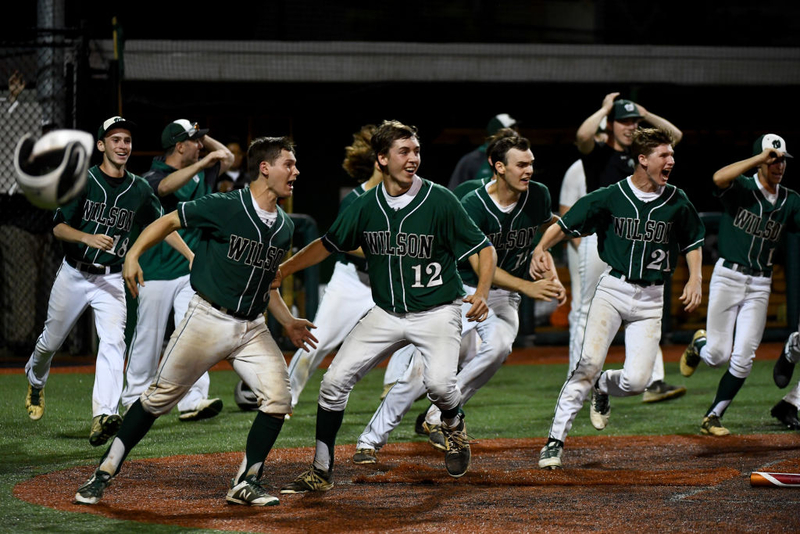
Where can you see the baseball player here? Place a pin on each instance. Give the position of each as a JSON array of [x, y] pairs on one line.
[[347, 296], [642, 224], [510, 210], [606, 162], [412, 233], [756, 212], [179, 176], [245, 235], [97, 229], [786, 409]]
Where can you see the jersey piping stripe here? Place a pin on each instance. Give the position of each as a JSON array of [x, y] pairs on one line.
[[378, 191], [633, 247], [253, 269], [650, 218], [97, 225], [400, 258]]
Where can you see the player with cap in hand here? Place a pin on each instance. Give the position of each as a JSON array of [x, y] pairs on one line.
[[180, 175], [97, 229], [606, 162], [756, 213]]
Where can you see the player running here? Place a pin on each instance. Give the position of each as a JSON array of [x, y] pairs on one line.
[[245, 236], [97, 229], [757, 212], [412, 232], [642, 224], [511, 210]]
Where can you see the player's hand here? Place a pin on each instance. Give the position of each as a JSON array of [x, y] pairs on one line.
[[101, 241], [213, 157], [278, 280], [133, 275], [479, 310], [545, 290], [299, 331], [642, 110], [692, 295], [540, 263], [771, 155], [608, 101], [562, 292]]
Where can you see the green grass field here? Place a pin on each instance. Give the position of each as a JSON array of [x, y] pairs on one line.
[[517, 403]]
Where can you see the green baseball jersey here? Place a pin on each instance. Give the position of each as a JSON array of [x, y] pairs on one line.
[[751, 227], [360, 263], [641, 240], [162, 262], [119, 208], [470, 185], [238, 255], [411, 252], [513, 234]]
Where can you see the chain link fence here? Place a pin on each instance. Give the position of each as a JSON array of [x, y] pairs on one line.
[[39, 81]]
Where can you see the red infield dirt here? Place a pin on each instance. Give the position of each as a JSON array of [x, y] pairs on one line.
[[609, 484]]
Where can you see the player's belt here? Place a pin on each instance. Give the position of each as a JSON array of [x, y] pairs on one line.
[[641, 283], [94, 269], [744, 269], [226, 311]]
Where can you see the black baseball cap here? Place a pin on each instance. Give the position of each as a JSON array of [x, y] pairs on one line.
[[624, 109]]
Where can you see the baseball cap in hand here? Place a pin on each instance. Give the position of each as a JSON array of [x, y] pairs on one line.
[[180, 130], [771, 141], [624, 109], [112, 124]]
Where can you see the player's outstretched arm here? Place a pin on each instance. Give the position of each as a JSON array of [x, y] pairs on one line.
[[155, 233], [728, 173], [487, 263], [541, 261], [299, 330], [541, 289], [176, 241], [692, 294], [65, 232], [312, 254]]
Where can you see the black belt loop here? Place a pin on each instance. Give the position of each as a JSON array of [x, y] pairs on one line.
[[641, 283], [226, 311], [747, 271], [91, 268]]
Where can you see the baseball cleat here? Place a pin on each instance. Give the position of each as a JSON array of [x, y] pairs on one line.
[[550, 455], [92, 491], [311, 480], [599, 410], [786, 413], [712, 426], [250, 492], [419, 425], [661, 391], [458, 454], [436, 437], [104, 427], [784, 367], [207, 409], [34, 402], [365, 456], [690, 358]]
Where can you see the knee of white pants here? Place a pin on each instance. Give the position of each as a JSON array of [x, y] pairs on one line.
[[713, 356], [445, 395], [634, 383], [333, 393], [162, 397], [740, 367]]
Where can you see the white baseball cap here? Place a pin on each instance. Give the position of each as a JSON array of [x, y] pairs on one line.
[[771, 141]]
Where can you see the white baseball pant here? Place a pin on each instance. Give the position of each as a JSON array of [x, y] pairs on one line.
[[206, 336], [590, 267], [737, 315], [616, 302], [497, 334], [157, 298], [73, 291], [436, 333]]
